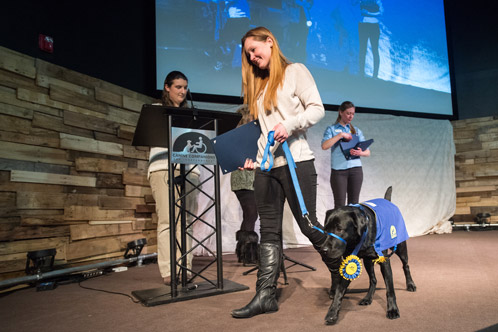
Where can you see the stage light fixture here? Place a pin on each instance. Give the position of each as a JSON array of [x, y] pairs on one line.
[[134, 248], [482, 218], [40, 261]]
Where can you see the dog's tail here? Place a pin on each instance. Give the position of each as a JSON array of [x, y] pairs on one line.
[[388, 193]]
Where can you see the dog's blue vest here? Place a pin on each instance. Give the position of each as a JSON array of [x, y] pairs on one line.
[[391, 229]]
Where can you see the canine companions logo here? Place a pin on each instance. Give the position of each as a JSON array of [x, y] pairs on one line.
[[393, 232], [192, 143], [193, 148]]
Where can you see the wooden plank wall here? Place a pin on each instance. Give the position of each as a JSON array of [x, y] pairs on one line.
[[476, 168], [69, 177]]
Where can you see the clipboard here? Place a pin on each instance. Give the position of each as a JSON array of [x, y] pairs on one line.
[[235, 146], [354, 143]]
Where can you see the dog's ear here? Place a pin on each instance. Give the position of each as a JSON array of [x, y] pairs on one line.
[[359, 220], [327, 215]]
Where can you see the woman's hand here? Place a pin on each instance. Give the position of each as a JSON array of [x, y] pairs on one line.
[[346, 136], [281, 134], [356, 152], [359, 152], [249, 164], [331, 141]]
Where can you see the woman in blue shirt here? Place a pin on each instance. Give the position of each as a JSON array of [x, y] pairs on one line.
[[346, 176]]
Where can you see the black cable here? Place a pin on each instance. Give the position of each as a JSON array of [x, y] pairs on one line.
[[106, 291]]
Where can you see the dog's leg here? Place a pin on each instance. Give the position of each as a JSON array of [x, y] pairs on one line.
[[340, 289], [336, 279], [392, 307], [369, 266], [402, 252]]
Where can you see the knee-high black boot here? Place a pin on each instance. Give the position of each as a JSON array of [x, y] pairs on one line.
[[265, 300]]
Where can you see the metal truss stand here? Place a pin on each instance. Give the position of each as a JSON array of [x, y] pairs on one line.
[[183, 282]]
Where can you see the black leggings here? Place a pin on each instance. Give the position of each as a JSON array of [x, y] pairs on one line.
[[273, 188], [347, 181], [249, 211]]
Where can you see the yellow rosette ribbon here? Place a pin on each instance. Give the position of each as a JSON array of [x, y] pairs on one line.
[[350, 267]]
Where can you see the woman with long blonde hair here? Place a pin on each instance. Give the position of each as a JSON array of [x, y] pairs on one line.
[[285, 99]]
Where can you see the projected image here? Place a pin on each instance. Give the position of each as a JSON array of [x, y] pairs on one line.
[[384, 54]]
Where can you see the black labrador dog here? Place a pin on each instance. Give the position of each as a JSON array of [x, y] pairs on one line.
[[353, 230]]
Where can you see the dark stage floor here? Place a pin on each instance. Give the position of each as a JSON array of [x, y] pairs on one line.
[[457, 289]]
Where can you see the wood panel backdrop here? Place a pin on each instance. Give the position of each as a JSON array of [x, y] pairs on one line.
[[70, 179], [476, 163]]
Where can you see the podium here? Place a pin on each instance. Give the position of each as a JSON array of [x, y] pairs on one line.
[[155, 128]]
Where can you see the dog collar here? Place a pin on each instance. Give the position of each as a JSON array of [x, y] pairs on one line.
[[331, 234]]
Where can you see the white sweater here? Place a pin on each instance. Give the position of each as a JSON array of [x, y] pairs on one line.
[[299, 107]]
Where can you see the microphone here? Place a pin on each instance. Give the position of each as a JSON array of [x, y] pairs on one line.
[[192, 104], [191, 99]]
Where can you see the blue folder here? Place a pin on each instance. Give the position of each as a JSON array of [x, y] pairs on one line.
[[235, 146], [354, 143]]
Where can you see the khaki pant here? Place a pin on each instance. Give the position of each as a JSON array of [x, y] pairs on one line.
[[160, 191]]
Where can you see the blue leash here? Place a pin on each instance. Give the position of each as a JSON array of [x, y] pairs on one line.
[[292, 168], [268, 157]]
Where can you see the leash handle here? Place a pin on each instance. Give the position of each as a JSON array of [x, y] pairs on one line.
[[292, 168], [267, 154]]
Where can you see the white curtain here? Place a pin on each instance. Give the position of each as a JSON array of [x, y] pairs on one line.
[[415, 156]]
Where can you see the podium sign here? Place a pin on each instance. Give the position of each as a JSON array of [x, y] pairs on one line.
[[193, 146]]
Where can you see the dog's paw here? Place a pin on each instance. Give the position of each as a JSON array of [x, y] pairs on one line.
[[365, 301], [332, 314], [393, 313], [331, 319], [411, 287]]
